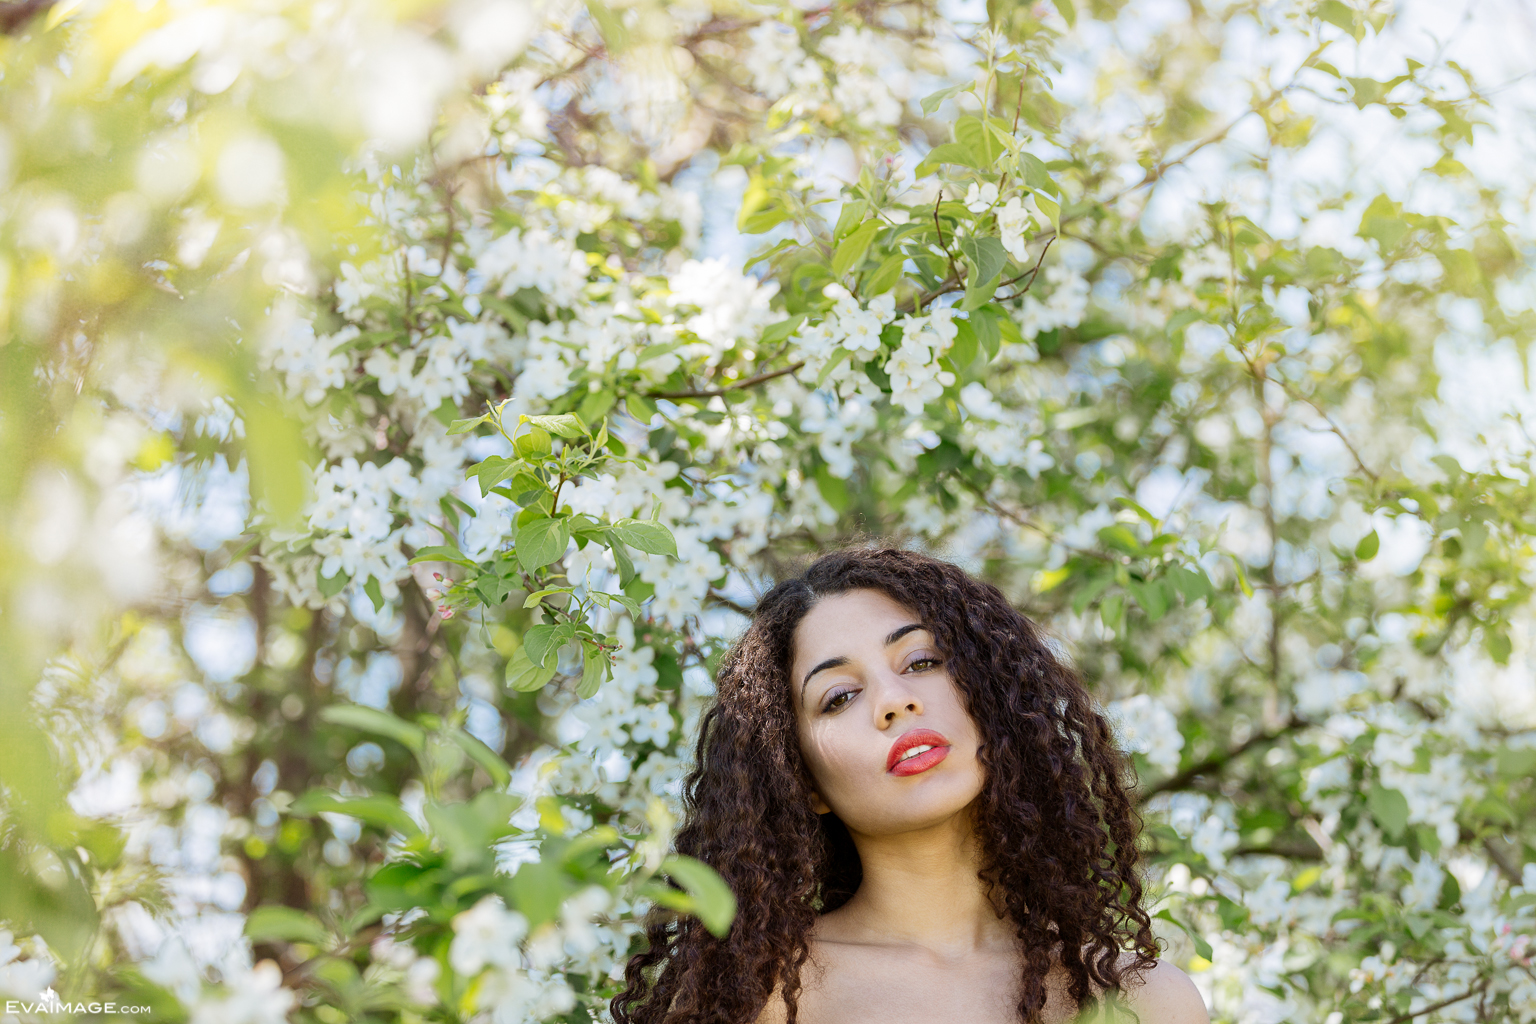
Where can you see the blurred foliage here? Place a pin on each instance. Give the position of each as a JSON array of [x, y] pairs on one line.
[[424, 280]]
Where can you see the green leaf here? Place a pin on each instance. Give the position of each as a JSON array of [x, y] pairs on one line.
[[596, 405], [469, 830], [988, 334], [1050, 208], [595, 669], [523, 675], [948, 153], [971, 132], [1036, 175], [1498, 645], [885, 276], [1182, 319], [713, 901], [540, 541], [538, 888], [1242, 578], [630, 604], [986, 254], [1111, 610], [330, 586], [1390, 809], [485, 757], [610, 25], [622, 560], [640, 407], [534, 444], [1069, 12], [525, 488], [833, 489], [1151, 596], [1192, 583], [851, 215], [491, 471], [379, 810], [543, 640], [1202, 947], [767, 220], [775, 333], [837, 358], [1087, 592], [1383, 222], [278, 457], [963, 350], [1334, 12], [439, 553], [933, 101], [852, 250], [1365, 91], [1516, 763], [1120, 537], [1368, 546], [273, 923], [646, 535], [539, 595], [979, 291], [375, 593], [782, 245], [564, 425], [380, 723], [465, 426]]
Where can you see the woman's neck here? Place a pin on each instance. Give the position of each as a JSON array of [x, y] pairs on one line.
[[922, 887]]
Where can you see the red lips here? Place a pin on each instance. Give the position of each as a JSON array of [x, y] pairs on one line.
[[898, 764]]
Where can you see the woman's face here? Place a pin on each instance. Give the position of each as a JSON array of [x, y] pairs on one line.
[[882, 726]]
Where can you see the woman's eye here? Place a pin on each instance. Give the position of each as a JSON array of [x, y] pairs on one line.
[[837, 700], [924, 664]]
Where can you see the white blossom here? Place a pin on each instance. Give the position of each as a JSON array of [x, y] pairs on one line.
[[487, 934]]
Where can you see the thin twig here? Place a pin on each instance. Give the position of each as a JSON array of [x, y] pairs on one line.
[[739, 385], [1337, 430], [1018, 520], [1505, 865], [954, 273], [1217, 761], [1404, 1018], [1030, 273], [1162, 167]]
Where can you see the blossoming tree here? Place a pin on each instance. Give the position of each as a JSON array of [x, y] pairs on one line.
[[402, 405]]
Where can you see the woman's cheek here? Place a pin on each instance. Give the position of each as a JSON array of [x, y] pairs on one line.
[[835, 766]]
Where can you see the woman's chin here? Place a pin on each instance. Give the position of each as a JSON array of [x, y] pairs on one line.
[[910, 813]]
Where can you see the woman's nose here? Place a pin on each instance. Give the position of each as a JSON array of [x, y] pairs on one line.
[[896, 700]]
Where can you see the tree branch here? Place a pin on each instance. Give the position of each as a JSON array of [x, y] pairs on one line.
[[1404, 1018], [739, 385], [1501, 860], [1216, 762], [1338, 431], [1030, 273], [16, 14]]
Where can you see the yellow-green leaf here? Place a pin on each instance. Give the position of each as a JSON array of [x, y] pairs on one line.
[[852, 250]]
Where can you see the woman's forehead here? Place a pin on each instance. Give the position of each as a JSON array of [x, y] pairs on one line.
[[852, 618]]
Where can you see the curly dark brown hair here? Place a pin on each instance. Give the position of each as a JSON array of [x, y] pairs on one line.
[[1056, 827]]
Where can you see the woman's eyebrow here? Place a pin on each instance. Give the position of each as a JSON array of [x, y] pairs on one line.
[[896, 634]]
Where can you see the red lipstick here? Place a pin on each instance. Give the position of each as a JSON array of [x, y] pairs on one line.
[[898, 761]]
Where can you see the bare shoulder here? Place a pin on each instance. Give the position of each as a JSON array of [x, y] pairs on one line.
[[775, 1012], [1165, 995]]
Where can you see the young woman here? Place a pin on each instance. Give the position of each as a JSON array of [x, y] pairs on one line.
[[921, 814]]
